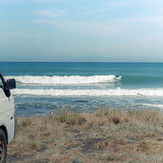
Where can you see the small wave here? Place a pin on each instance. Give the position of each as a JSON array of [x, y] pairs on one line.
[[154, 105], [65, 79], [90, 92]]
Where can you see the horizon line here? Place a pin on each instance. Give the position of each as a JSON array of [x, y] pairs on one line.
[[81, 61]]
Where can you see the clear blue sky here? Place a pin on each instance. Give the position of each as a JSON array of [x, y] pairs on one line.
[[81, 30]]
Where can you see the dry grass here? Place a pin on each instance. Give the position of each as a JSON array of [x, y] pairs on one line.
[[102, 136]]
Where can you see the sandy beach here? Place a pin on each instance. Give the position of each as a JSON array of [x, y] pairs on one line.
[[103, 136]]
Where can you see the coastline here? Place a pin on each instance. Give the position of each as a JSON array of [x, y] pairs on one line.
[[101, 136]]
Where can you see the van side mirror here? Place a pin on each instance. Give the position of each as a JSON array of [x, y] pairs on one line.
[[10, 84]]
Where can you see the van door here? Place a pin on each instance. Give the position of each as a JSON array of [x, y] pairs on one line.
[[6, 110]]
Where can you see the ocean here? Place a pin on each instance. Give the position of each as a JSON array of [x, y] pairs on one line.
[[45, 87]]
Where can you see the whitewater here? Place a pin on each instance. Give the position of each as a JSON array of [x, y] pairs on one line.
[[65, 79], [79, 80], [90, 92]]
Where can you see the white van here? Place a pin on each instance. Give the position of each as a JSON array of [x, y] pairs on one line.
[[8, 121]]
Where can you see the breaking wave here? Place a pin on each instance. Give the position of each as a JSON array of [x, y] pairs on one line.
[[90, 92], [65, 79]]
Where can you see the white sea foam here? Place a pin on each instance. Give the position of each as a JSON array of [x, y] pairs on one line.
[[154, 105], [90, 92], [65, 79]]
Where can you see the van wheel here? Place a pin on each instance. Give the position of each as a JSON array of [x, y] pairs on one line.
[[3, 147]]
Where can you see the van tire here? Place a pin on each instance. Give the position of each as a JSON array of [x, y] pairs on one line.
[[3, 147]]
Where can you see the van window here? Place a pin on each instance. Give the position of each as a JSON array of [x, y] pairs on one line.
[[1, 84]]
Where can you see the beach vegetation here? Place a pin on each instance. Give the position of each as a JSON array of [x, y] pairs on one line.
[[106, 135]]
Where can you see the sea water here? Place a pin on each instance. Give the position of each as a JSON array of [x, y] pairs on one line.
[[44, 87]]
